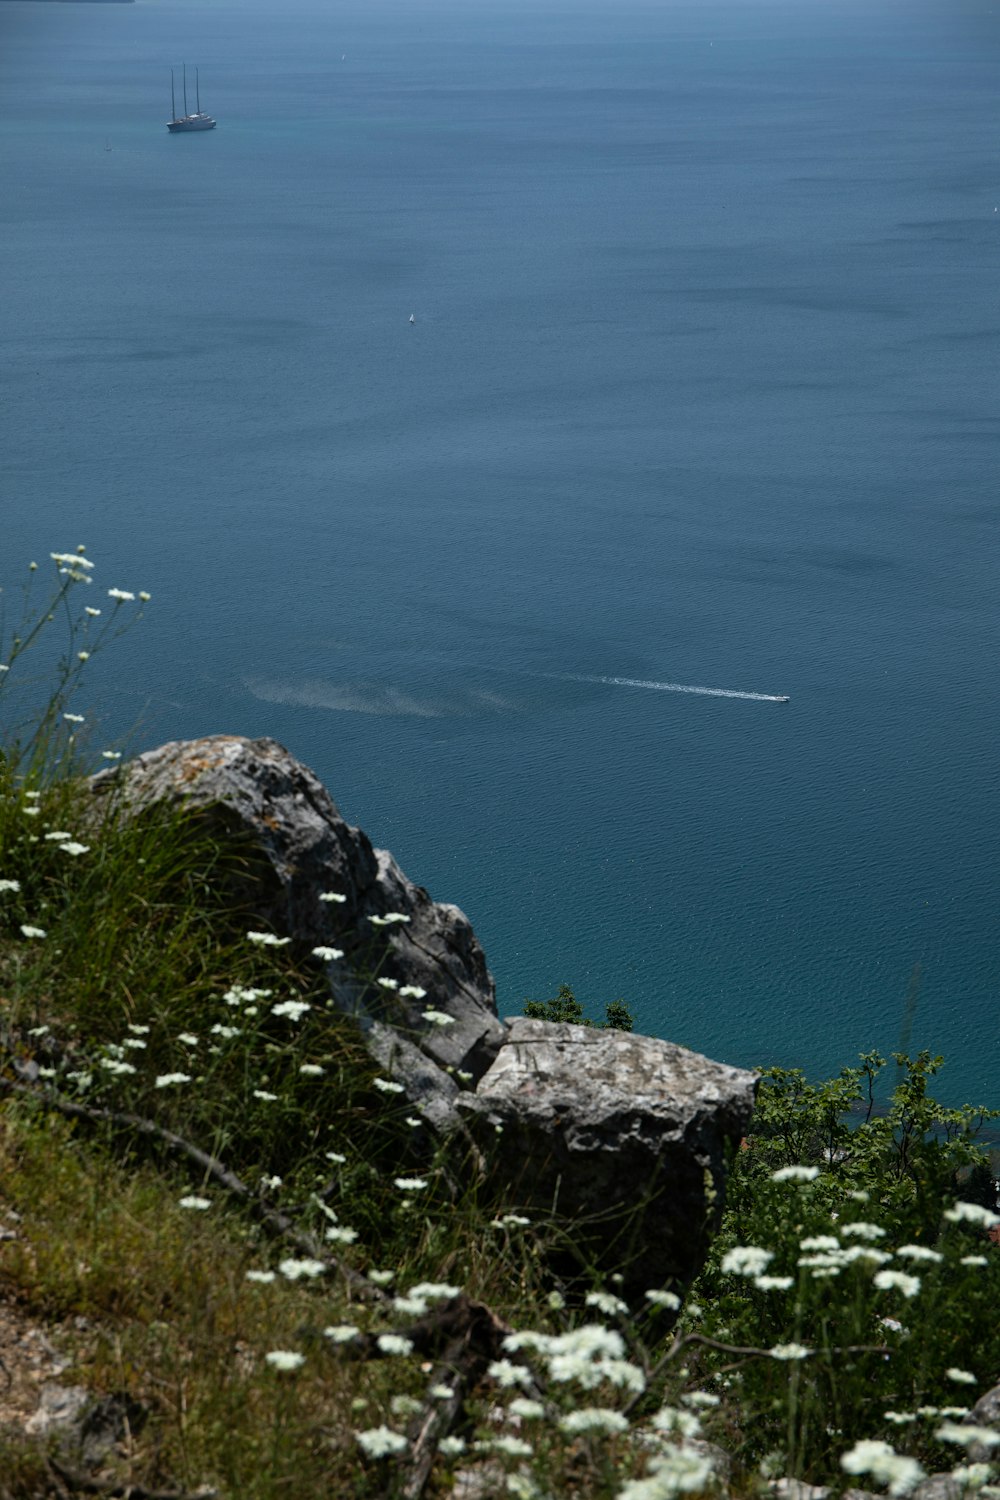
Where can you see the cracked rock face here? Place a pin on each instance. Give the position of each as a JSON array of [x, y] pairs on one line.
[[258, 796], [625, 1135], [622, 1137]]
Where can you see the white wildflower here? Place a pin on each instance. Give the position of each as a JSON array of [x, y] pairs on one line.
[[949, 1432], [388, 984], [961, 1377], [410, 1184], [819, 1242], [888, 1281], [404, 1406], [381, 1278], [145, 595], [437, 1018], [168, 1080], [677, 1471], [83, 656], [284, 1360], [293, 1009], [514, 1447], [525, 1408], [194, 1202], [268, 940], [676, 1423], [122, 595], [188, 1038], [328, 955], [388, 1086], [774, 1283], [93, 613], [341, 1333], [9, 885], [265, 1096], [506, 1373], [74, 718], [435, 1291], [664, 1299], [413, 991], [973, 1260], [900, 1418], [884, 1464], [795, 1174], [863, 1231], [294, 1270], [451, 1447], [605, 1302], [918, 1252], [311, 1070], [71, 560], [789, 1351], [263, 1277], [335, 1156], [225, 1032], [394, 1343], [389, 919], [510, 1221], [340, 1235], [112, 1065], [333, 896], [410, 1307], [973, 1476], [866, 1253], [746, 1260], [594, 1419], [972, 1213]]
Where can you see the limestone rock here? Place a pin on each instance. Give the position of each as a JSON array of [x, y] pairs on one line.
[[939, 1487], [797, 1489], [263, 801], [985, 1413], [593, 1123]]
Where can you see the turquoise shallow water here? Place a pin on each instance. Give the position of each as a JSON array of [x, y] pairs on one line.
[[701, 390]]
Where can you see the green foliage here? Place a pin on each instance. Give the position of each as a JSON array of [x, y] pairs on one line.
[[566, 1007], [840, 1237]]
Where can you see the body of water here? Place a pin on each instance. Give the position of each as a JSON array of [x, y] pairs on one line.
[[699, 393]]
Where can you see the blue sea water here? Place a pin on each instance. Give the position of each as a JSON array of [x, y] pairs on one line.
[[701, 389]]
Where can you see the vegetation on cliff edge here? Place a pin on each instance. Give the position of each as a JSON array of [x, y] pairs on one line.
[[228, 1221]]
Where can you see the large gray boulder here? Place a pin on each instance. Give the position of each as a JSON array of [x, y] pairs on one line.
[[620, 1136], [295, 849], [624, 1136]]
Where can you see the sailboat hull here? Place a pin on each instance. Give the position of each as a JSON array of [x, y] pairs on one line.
[[191, 122]]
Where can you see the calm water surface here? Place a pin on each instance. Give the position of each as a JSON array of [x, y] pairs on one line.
[[701, 389]]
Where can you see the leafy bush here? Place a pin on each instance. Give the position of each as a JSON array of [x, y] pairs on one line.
[[566, 1007]]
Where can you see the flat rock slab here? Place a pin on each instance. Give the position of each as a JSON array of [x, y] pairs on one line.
[[622, 1135]]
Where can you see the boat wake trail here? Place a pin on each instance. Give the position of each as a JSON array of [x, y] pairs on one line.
[[678, 687]]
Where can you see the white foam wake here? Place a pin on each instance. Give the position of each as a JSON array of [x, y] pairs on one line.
[[679, 687]]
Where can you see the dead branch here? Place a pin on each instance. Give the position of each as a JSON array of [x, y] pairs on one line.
[[273, 1219]]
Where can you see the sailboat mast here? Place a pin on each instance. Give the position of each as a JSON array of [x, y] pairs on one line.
[[197, 92], [173, 105], [185, 90]]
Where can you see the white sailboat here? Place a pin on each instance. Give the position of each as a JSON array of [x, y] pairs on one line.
[[186, 121]]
